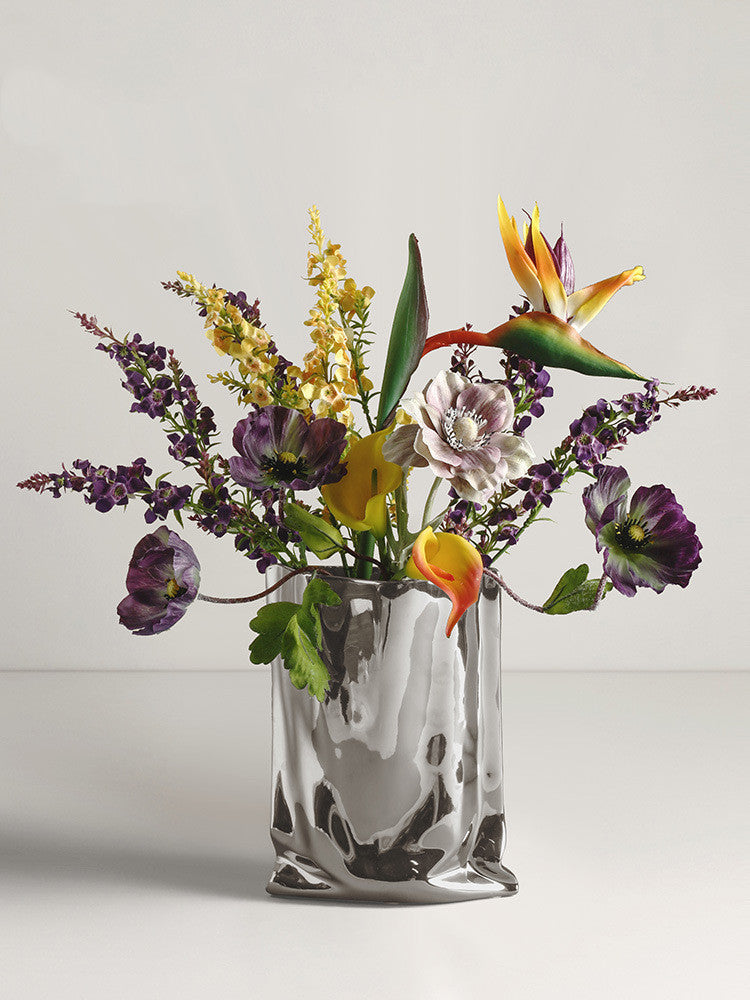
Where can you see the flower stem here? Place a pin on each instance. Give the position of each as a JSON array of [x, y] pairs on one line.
[[429, 502], [365, 546], [526, 604], [599, 592], [263, 593]]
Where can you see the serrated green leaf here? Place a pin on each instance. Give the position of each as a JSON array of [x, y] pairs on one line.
[[316, 533], [270, 623], [408, 335], [302, 660], [567, 583], [316, 592]]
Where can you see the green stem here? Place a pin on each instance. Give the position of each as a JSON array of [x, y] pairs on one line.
[[429, 502], [365, 546]]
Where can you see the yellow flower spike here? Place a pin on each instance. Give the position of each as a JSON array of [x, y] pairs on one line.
[[585, 303], [547, 272], [451, 563], [358, 500], [522, 266]]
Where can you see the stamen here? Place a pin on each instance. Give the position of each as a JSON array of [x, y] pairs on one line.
[[462, 429], [632, 535]]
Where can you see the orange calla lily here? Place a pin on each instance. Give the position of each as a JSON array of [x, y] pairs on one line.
[[451, 563], [358, 500]]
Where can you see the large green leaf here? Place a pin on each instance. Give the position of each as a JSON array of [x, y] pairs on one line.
[[408, 335], [302, 660], [317, 534], [270, 623], [294, 632], [316, 592]]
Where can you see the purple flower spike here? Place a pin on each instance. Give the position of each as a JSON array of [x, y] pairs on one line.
[[279, 448], [162, 583], [650, 545]]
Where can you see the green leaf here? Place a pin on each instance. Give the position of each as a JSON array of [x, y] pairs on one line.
[[316, 592], [301, 658], [568, 582], [574, 592], [408, 335], [316, 533], [270, 623], [294, 632]]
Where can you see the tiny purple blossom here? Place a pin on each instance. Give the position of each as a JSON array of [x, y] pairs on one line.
[[162, 583]]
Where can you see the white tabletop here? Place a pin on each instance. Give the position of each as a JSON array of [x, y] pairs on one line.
[[134, 849]]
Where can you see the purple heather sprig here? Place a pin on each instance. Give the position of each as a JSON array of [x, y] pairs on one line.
[[528, 384], [161, 388]]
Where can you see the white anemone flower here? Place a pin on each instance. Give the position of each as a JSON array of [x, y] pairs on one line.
[[462, 432]]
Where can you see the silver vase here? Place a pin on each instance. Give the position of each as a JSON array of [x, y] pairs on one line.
[[392, 790]]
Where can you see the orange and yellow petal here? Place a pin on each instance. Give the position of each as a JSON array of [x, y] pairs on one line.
[[548, 277], [451, 563], [522, 266], [585, 303], [358, 499]]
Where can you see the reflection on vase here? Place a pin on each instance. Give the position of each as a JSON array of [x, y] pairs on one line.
[[392, 789]]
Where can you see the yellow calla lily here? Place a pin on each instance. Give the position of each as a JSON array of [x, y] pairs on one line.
[[451, 563], [358, 499]]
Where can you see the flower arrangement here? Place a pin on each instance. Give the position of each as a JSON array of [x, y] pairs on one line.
[[321, 462]]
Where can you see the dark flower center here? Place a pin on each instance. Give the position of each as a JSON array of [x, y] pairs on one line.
[[284, 467], [174, 589], [632, 535]]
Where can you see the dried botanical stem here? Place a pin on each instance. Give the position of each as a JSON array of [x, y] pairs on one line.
[[263, 593], [526, 604]]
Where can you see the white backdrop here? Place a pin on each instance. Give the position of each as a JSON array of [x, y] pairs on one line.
[[141, 138]]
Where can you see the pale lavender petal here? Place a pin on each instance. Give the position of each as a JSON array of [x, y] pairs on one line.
[[399, 447]]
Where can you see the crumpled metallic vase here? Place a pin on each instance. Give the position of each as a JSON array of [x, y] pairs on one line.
[[392, 790]]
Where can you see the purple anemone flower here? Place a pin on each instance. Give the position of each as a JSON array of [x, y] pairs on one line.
[[279, 448], [651, 544], [162, 583]]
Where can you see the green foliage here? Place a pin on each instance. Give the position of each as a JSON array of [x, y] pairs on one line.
[[294, 632], [574, 592], [270, 623], [408, 335], [316, 533], [302, 660]]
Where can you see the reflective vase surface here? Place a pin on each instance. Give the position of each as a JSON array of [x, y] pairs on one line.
[[392, 790]]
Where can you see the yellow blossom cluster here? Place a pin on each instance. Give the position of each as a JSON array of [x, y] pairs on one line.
[[248, 344], [328, 376]]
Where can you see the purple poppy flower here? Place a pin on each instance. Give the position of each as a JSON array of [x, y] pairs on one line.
[[651, 544], [162, 583], [279, 448]]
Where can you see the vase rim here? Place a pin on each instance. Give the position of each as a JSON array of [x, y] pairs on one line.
[[407, 583]]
